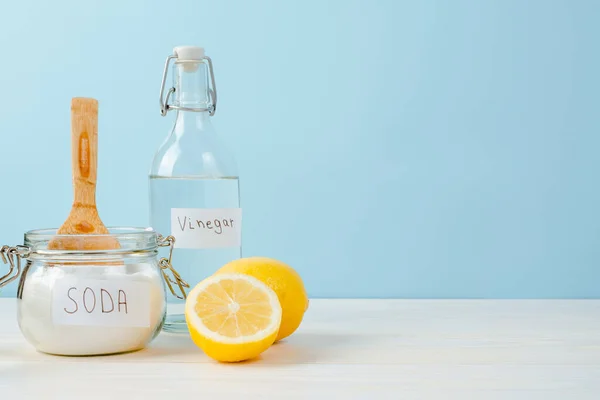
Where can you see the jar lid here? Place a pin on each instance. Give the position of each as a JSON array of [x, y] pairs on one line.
[[133, 242], [130, 240]]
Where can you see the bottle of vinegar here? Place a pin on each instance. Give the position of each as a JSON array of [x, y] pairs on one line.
[[194, 184]]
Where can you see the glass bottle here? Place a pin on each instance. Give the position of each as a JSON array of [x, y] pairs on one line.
[[194, 184]]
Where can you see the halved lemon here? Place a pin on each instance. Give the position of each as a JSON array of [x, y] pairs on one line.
[[232, 317]]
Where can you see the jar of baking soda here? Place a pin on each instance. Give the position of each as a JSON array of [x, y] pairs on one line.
[[91, 302]]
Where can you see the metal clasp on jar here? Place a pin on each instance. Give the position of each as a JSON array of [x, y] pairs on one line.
[[12, 256], [165, 264]]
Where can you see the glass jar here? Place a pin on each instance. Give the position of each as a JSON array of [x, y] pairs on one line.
[[80, 303]]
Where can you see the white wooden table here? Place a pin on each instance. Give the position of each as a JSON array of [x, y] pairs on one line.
[[346, 349]]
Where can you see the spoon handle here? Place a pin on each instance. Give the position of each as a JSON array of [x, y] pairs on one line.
[[84, 150]]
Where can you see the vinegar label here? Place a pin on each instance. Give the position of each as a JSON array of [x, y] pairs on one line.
[[206, 228]]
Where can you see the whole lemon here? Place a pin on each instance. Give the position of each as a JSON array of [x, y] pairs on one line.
[[284, 281]]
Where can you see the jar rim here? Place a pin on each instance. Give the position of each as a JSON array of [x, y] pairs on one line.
[[117, 232], [131, 239]]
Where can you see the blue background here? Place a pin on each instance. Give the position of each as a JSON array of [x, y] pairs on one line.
[[386, 148]]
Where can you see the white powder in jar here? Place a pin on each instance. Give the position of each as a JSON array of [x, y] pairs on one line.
[[36, 320]]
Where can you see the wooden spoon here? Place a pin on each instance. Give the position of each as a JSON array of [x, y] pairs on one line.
[[84, 218]]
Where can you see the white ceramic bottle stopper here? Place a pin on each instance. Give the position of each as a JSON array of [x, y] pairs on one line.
[[189, 53]]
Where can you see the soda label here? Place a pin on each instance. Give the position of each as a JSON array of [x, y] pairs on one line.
[[91, 302]]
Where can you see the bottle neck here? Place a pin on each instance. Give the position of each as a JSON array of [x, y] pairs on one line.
[[191, 85], [191, 91]]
